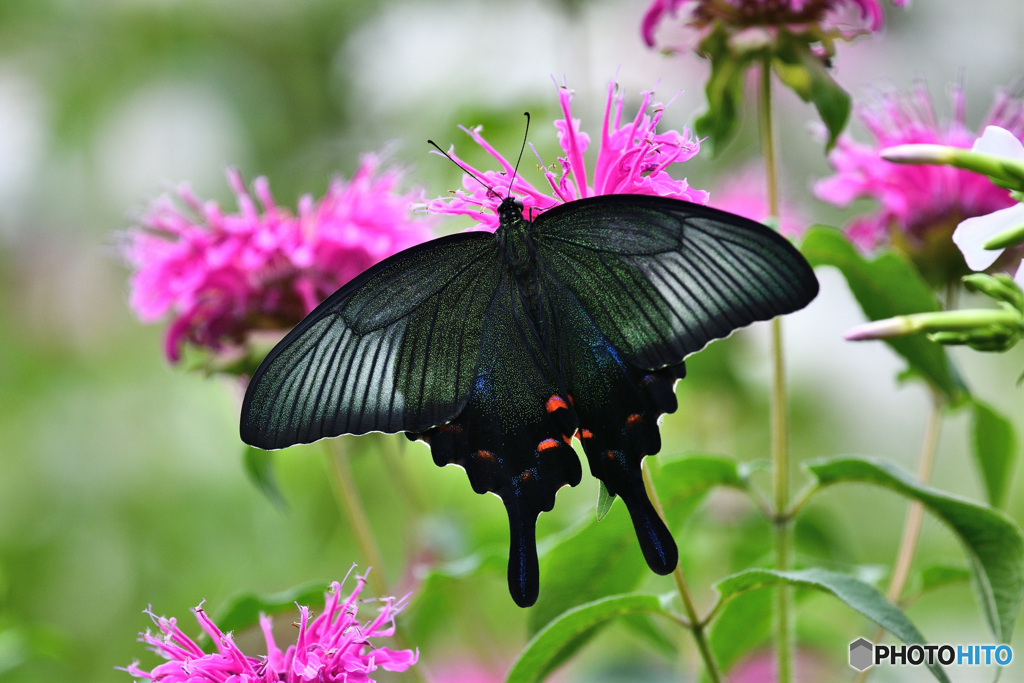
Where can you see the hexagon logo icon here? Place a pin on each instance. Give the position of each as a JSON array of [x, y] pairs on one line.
[[861, 654]]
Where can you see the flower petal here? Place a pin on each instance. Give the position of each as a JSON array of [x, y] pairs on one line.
[[999, 142], [973, 233]]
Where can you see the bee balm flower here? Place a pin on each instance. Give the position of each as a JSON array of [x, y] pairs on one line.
[[632, 158], [825, 20], [221, 276], [920, 205], [333, 647]]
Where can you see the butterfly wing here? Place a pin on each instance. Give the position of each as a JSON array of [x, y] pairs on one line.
[[662, 277], [393, 350], [633, 285], [513, 437]]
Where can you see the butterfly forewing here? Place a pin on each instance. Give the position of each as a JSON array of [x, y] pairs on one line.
[[661, 277], [393, 350]]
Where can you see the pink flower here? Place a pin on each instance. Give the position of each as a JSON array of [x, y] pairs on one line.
[[332, 647], [745, 193], [632, 158], [760, 668], [825, 19], [920, 205], [223, 275]]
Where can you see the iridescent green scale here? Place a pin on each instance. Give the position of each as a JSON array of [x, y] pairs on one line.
[[497, 349]]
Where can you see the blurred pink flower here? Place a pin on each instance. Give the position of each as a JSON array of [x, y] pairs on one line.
[[466, 671], [744, 192], [921, 204], [759, 667], [827, 19], [221, 276], [632, 158], [333, 647]]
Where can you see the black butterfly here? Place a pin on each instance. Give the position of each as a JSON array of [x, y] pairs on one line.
[[496, 349]]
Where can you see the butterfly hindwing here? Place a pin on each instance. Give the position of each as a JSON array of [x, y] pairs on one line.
[[513, 436], [393, 350], [618, 406]]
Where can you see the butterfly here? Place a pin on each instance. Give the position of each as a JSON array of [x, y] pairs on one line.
[[497, 349]]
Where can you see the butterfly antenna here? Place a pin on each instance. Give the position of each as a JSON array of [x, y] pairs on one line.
[[515, 171], [464, 169]]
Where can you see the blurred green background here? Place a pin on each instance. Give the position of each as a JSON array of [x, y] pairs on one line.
[[121, 478]]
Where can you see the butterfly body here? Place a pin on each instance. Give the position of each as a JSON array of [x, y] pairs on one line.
[[498, 349]]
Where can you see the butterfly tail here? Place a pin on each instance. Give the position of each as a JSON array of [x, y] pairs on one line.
[[656, 543], [523, 566]]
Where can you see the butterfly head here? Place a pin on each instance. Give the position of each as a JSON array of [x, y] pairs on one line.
[[510, 211]]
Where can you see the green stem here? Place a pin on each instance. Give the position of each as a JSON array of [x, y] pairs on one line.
[[347, 494], [696, 625], [915, 513], [914, 518], [801, 499], [783, 523]]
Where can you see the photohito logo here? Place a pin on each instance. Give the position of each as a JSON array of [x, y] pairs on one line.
[[863, 654], [860, 654]]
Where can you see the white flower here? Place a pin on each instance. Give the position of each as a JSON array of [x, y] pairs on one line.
[[972, 234]]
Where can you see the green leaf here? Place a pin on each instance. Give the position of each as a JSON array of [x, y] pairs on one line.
[[724, 90], [805, 74], [743, 623], [861, 596], [683, 482], [993, 542], [643, 626], [937, 576], [831, 101], [544, 648], [994, 446], [15, 648], [446, 588], [604, 500], [259, 465], [599, 559], [243, 610], [602, 557], [885, 287]]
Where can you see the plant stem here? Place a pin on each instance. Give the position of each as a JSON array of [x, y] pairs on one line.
[[347, 494], [696, 625], [351, 504], [398, 471], [783, 523], [915, 512], [914, 518]]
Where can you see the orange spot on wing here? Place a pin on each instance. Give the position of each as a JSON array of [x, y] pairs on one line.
[[484, 455], [449, 427], [567, 438], [556, 402], [610, 455], [634, 419], [547, 444], [586, 434]]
